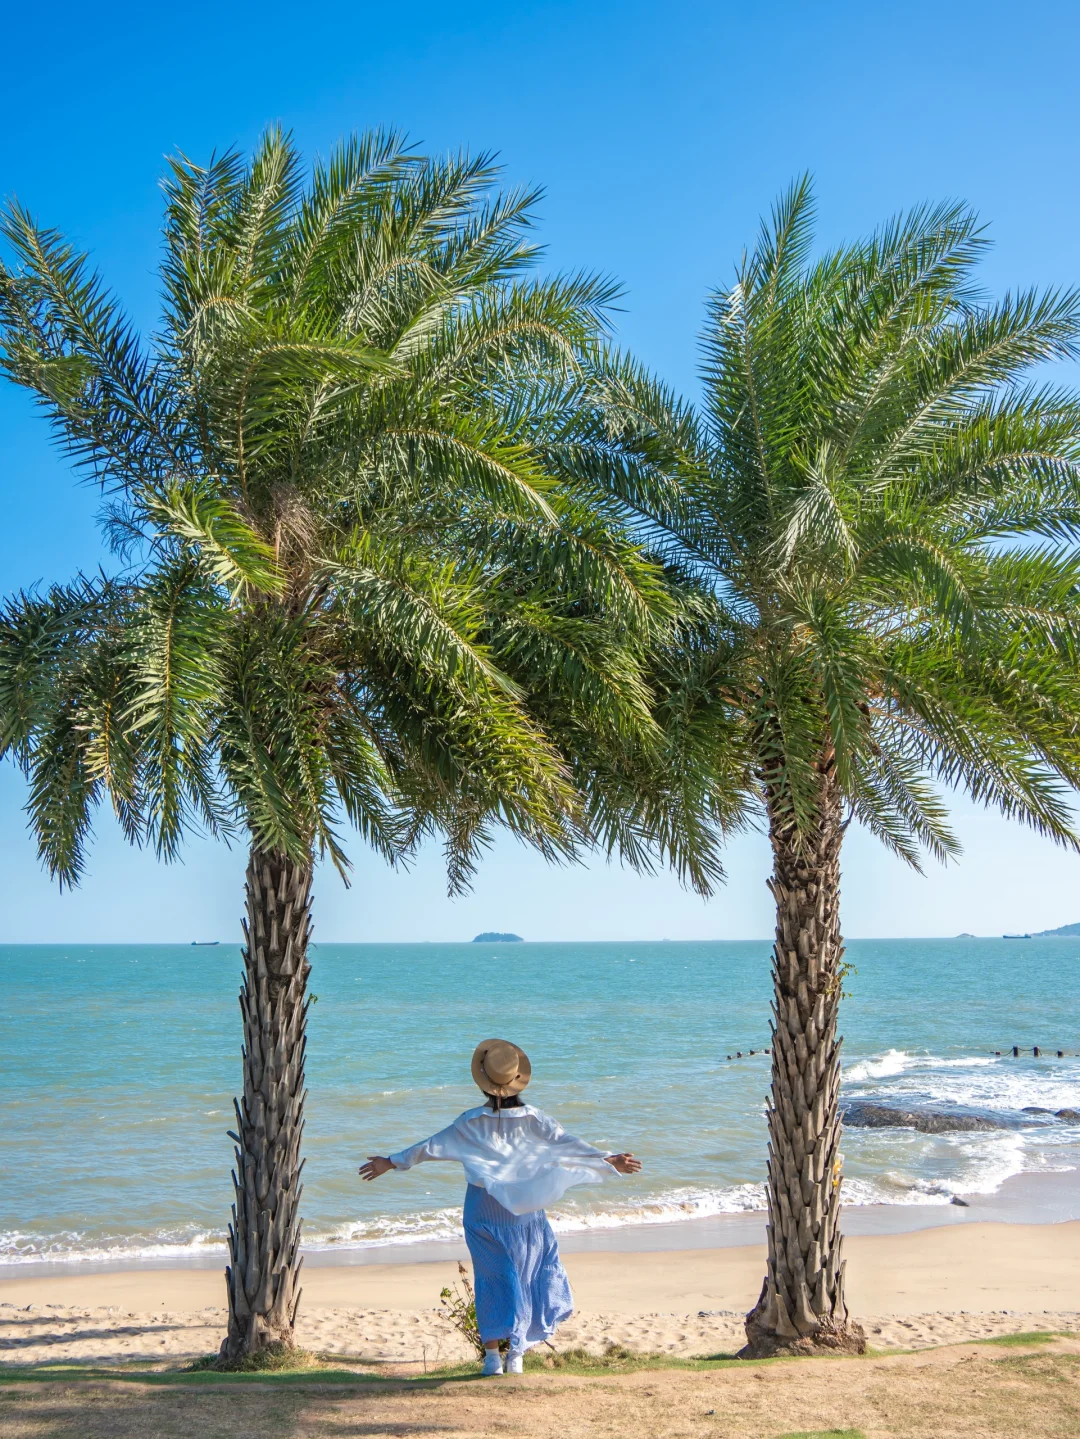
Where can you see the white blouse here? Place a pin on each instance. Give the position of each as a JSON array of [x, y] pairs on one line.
[[521, 1156]]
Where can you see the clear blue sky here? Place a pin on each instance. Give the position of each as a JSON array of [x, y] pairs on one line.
[[660, 133]]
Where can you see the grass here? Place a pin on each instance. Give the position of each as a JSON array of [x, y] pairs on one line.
[[1035, 1336], [1002, 1394], [1054, 1368], [618, 1360], [204, 1372], [825, 1434], [282, 1366], [324, 1369], [198, 1375], [614, 1360], [274, 1359]]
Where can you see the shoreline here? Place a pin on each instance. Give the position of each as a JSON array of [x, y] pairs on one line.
[[1031, 1199]]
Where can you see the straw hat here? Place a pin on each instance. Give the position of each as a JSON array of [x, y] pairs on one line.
[[500, 1068]]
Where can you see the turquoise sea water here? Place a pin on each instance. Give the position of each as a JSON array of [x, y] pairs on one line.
[[118, 1065]]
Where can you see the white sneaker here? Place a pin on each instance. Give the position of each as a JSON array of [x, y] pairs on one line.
[[493, 1362], [513, 1362]]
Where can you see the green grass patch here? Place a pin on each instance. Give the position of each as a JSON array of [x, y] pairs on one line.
[[188, 1377], [825, 1434], [301, 1367], [205, 1372], [1048, 1368], [1035, 1336], [614, 1360]]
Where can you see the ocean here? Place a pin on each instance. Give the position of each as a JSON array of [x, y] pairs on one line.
[[118, 1064]]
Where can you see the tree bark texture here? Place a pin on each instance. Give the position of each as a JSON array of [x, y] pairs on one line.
[[264, 1235], [802, 1308]]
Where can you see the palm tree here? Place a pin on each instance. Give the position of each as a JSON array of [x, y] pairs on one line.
[[878, 512], [361, 584]]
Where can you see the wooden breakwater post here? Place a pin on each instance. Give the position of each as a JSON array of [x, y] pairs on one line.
[[1035, 1050]]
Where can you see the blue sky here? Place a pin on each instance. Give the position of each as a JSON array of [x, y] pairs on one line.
[[660, 134]]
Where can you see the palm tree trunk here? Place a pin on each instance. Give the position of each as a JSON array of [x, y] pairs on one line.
[[264, 1235], [802, 1306]]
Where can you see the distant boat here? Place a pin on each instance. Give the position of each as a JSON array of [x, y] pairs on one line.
[[201, 942], [1016, 936]]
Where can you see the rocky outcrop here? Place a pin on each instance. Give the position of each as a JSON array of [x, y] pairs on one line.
[[861, 1114], [927, 1121]]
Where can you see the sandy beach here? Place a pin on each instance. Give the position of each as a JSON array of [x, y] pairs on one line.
[[931, 1287]]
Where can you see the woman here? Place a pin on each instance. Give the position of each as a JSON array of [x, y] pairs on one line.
[[516, 1160]]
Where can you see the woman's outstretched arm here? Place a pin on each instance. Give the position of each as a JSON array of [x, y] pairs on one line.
[[572, 1147], [447, 1144]]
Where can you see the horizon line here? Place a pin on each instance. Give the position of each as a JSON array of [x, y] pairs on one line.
[[358, 943]]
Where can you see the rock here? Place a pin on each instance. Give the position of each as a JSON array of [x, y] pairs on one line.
[[1035, 1109], [490, 937], [926, 1121], [963, 1204], [1070, 1116]]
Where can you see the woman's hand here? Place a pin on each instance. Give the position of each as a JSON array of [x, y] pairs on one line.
[[624, 1163], [378, 1164]]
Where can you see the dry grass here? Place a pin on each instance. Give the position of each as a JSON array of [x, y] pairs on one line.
[[274, 1359], [963, 1392], [615, 1359]]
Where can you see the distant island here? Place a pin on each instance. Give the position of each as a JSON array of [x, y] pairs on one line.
[[490, 937], [1066, 931]]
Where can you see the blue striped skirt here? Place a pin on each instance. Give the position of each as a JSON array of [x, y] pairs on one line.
[[522, 1292]]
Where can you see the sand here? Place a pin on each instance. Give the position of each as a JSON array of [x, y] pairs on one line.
[[916, 1290]]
